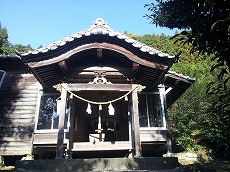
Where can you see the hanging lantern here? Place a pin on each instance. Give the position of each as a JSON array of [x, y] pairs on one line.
[[88, 110], [111, 109]]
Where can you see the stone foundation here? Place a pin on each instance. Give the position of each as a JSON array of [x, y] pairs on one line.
[[189, 157]]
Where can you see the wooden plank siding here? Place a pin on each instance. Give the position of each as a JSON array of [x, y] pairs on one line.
[[18, 100], [153, 135], [47, 139]]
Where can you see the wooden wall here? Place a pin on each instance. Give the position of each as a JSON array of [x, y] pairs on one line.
[[18, 99]]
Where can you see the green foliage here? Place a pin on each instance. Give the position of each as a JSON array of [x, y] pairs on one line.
[[218, 119], [6, 48], [3, 41], [20, 48], [193, 118], [186, 114], [206, 24], [206, 31], [161, 42]]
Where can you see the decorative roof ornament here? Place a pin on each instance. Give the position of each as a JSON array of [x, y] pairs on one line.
[[100, 22], [100, 78], [100, 26]]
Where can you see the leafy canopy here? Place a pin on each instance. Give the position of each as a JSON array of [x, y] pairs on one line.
[[205, 27], [206, 24]]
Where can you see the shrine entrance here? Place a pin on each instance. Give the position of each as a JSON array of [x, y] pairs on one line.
[[103, 116], [107, 123]]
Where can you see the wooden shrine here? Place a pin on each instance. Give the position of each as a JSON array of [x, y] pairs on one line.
[[96, 93]]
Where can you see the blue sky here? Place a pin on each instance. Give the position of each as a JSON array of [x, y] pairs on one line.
[[41, 22]]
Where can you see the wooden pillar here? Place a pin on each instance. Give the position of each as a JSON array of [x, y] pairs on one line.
[[131, 133], [135, 113], [60, 138], [70, 127], [168, 135], [169, 142]]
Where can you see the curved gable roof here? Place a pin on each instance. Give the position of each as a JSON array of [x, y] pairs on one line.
[[81, 48]]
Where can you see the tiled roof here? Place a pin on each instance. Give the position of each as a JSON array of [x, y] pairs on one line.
[[179, 83], [9, 56], [99, 27], [188, 78]]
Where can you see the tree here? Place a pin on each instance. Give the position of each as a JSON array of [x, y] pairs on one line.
[[6, 48], [187, 112], [205, 26], [4, 44], [20, 48]]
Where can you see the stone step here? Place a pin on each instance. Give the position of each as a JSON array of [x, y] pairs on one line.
[[158, 164]]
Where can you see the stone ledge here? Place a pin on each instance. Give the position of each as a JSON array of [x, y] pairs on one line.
[[188, 157]]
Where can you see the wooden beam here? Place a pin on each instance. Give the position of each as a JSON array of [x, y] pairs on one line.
[[97, 45], [63, 66], [101, 146], [135, 113], [98, 87], [60, 138]]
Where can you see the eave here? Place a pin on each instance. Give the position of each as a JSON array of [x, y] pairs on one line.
[[176, 84]]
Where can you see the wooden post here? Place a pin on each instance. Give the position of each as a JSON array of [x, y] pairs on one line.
[[60, 138], [169, 142], [131, 134], [168, 135], [135, 113], [71, 121]]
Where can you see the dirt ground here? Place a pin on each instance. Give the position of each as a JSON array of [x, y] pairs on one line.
[[214, 166], [220, 166]]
